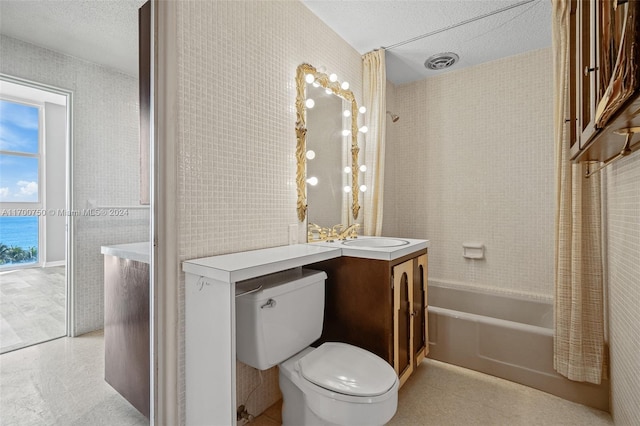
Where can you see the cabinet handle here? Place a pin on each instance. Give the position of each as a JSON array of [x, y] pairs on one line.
[[587, 70]]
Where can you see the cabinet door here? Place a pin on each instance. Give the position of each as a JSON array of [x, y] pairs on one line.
[[587, 75], [402, 319], [419, 313]]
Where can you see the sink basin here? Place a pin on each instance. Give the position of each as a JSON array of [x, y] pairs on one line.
[[376, 242]]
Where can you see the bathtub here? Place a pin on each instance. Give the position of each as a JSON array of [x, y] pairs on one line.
[[505, 336]]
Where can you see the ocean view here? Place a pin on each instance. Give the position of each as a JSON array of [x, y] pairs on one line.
[[18, 240], [19, 231]]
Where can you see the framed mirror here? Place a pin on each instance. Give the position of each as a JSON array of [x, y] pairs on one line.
[[327, 148]]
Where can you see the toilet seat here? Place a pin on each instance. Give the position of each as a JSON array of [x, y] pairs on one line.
[[330, 407], [347, 370]]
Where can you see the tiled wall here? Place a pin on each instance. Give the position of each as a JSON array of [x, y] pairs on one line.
[[236, 120], [623, 236], [471, 160], [105, 160]]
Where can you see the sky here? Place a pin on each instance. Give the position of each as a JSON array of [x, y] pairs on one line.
[[18, 133]]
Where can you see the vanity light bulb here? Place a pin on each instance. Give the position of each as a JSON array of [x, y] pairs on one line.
[[362, 109], [309, 78], [346, 132], [328, 91], [315, 84], [363, 129], [347, 189], [345, 85], [363, 188], [309, 103], [311, 154], [333, 78], [313, 181], [363, 168], [346, 113], [347, 170]]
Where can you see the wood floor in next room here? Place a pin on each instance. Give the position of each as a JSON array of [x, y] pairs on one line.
[[440, 394]]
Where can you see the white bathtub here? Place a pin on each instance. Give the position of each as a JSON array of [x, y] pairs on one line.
[[507, 337]]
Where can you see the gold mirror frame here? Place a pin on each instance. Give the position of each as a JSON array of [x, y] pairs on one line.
[[301, 135]]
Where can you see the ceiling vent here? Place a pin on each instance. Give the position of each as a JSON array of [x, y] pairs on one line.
[[441, 61]]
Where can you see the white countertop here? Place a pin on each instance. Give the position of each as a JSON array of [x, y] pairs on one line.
[[378, 253], [133, 251], [240, 266]]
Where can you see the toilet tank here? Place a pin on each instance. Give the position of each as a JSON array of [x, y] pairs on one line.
[[279, 319]]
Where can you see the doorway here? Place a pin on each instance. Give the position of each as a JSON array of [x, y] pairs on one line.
[[34, 182]]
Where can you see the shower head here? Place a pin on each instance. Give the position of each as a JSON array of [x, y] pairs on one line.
[[394, 117]]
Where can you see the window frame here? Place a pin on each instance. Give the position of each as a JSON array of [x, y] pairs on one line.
[[34, 206]]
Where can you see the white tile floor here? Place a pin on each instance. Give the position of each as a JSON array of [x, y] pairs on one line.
[[61, 383], [32, 306], [440, 394]]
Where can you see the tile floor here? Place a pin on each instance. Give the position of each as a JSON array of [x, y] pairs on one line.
[[61, 383], [32, 306], [441, 394]]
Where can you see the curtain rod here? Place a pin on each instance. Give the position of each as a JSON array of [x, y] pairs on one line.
[[468, 21]]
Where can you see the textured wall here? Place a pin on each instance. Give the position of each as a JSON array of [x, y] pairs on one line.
[[236, 120], [471, 160], [105, 160], [623, 232]]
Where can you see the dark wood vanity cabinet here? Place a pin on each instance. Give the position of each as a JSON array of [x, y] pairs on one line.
[[126, 330], [380, 306]]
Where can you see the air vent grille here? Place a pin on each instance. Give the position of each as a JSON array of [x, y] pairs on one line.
[[441, 61]]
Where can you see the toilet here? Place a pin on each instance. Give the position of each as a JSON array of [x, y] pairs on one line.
[[277, 317]]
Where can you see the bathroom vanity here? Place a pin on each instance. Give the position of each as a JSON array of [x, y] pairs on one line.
[[210, 323], [126, 321], [376, 299]]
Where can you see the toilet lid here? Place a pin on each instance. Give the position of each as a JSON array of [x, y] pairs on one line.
[[348, 370]]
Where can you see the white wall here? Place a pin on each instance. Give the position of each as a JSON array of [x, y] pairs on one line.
[[623, 231], [105, 160], [471, 160], [236, 133], [56, 183]]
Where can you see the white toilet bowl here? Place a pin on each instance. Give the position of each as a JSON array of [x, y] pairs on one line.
[[277, 317], [337, 384]]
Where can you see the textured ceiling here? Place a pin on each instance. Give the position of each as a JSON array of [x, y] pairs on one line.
[[105, 31], [100, 31], [369, 25]]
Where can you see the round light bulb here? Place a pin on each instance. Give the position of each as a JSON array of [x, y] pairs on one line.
[[311, 154], [346, 113], [315, 84], [309, 78], [362, 109], [313, 181], [363, 129], [363, 188], [347, 189], [328, 91], [346, 132], [345, 85], [363, 168], [309, 103], [333, 78], [347, 170]]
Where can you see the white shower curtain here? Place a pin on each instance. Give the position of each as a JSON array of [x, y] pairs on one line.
[[375, 100], [579, 319]]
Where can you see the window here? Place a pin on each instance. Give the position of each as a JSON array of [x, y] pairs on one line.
[[20, 182]]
